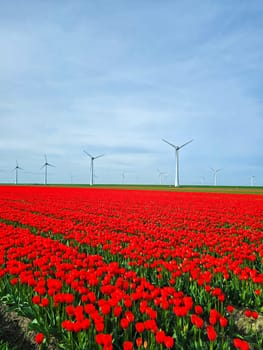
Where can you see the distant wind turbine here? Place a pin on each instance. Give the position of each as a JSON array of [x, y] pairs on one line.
[[45, 165], [202, 180], [91, 165], [215, 171], [177, 148], [161, 174], [16, 169], [123, 177], [252, 178]]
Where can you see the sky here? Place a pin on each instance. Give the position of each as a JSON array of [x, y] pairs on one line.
[[116, 77]]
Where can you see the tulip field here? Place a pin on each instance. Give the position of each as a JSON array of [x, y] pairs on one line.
[[124, 269]]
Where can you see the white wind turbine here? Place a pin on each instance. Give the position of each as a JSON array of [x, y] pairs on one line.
[[91, 165], [16, 169], [252, 178], [161, 174], [45, 165], [177, 148], [123, 175], [215, 171], [202, 178]]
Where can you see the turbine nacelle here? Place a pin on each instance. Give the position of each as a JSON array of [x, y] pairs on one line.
[[92, 157], [216, 170], [17, 166], [46, 163], [175, 146]]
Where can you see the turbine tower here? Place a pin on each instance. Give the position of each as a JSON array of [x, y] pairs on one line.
[[45, 165], [16, 169], [215, 171], [176, 148], [91, 165], [252, 178]]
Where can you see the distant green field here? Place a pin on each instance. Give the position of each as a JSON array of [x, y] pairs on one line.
[[223, 189], [184, 188]]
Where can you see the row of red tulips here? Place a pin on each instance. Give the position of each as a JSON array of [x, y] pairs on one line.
[[127, 269]]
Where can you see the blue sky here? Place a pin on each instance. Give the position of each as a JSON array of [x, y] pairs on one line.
[[115, 77]]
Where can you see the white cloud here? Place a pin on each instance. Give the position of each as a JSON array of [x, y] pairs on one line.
[[76, 75]]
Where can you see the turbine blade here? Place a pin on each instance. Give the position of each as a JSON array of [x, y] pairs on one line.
[[48, 164], [43, 166], [186, 143], [101, 155], [46, 158], [88, 154], [169, 143]]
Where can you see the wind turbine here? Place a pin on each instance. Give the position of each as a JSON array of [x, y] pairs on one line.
[[46, 164], [202, 180], [161, 173], [215, 171], [252, 178], [123, 177], [177, 148], [91, 165], [16, 169]]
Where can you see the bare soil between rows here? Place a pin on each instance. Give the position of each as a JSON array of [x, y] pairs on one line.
[[14, 329]]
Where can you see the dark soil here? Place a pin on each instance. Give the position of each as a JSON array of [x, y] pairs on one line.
[[14, 330], [245, 325]]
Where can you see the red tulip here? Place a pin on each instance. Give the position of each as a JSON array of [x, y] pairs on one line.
[[39, 338]]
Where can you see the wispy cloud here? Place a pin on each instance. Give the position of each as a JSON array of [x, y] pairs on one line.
[[116, 78]]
